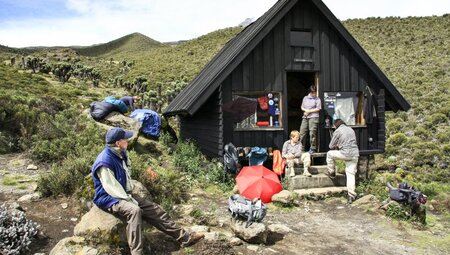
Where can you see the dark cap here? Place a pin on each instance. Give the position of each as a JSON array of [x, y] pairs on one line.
[[115, 134]]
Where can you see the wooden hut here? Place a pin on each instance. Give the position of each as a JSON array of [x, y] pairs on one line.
[[295, 44]]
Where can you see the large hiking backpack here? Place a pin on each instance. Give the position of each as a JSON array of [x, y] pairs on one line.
[[120, 105], [246, 209], [151, 122], [407, 195], [230, 158], [99, 110]]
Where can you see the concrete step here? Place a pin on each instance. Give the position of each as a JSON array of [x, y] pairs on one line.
[[320, 192], [319, 169], [319, 155], [316, 181]]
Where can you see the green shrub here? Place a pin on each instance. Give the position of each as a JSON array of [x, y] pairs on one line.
[[190, 160], [374, 185], [443, 137], [421, 132], [395, 125], [438, 118], [65, 134], [67, 176], [168, 188], [397, 212], [397, 139]]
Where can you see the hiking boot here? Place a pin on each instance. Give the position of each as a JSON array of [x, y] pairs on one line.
[[331, 175], [306, 173], [350, 200], [193, 239], [292, 173]]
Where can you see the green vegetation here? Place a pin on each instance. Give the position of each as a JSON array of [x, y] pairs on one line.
[[13, 180], [43, 92], [413, 52]]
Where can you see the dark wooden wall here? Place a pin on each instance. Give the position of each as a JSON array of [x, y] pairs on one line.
[[340, 69], [206, 126]]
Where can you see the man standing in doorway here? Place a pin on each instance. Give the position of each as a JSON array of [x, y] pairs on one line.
[[344, 147], [311, 106]]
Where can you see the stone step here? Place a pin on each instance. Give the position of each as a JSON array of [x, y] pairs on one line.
[[316, 181], [318, 155], [320, 192], [319, 169]]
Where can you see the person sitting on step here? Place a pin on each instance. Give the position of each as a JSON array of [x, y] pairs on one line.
[[292, 153]]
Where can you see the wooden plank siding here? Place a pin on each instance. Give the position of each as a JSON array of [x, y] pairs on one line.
[[262, 65], [264, 70], [205, 128], [381, 117]]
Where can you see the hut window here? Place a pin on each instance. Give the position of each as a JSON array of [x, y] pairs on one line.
[[347, 106], [301, 38], [254, 110]]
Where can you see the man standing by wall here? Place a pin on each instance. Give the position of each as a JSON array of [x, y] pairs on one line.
[[343, 146]]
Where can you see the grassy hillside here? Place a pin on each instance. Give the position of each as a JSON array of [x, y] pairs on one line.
[[413, 52], [129, 44], [176, 63]]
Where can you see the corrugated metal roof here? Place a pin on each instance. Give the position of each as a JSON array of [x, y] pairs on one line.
[[195, 94]]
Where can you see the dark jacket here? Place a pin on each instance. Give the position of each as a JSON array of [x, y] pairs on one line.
[[129, 101]]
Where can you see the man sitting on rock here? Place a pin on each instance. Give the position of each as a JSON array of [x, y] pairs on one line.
[[292, 153], [343, 146], [113, 186]]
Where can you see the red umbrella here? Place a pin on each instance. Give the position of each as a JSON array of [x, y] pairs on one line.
[[258, 182]]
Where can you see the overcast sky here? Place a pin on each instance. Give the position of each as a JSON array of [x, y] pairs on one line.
[[86, 22]]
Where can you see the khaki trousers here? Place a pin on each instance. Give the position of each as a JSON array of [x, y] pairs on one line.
[[309, 125], [304, 159], [153, 214], [350, 169]]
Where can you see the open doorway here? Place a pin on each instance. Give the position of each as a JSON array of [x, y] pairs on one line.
[[297, 87]]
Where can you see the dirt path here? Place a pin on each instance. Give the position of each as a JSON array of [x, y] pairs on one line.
[[331, 227], [318, 227]]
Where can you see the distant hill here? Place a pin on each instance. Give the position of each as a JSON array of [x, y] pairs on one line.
[[6, 49], [131, 43]]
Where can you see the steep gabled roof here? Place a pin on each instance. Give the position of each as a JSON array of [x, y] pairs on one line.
[[195, 94]]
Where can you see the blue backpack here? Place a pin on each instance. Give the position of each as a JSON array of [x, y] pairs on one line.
[[119, 104], [151, 122]]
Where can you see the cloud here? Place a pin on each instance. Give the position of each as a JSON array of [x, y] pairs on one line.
[[87, 22], [90, 22]]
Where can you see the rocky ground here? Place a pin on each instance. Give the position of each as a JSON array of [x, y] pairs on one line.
[[314, 227]]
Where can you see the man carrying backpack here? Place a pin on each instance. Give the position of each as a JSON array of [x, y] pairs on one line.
[[344, 147]]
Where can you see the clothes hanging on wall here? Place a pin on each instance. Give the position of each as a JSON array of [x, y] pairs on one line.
[[370, 111]]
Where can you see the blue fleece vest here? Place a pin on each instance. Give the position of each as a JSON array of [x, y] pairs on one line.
[[111, 160]]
